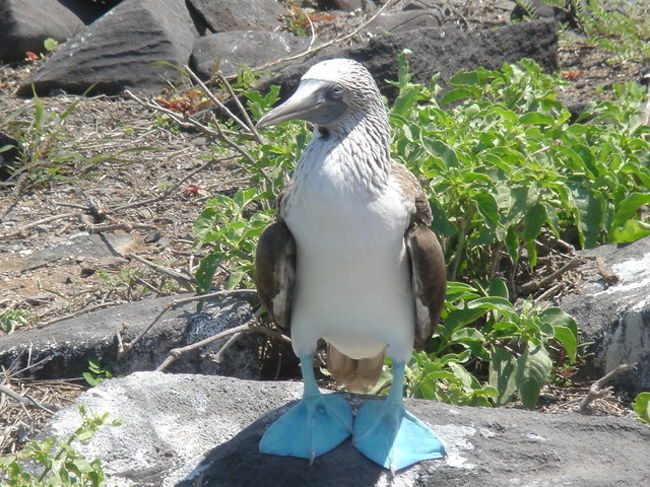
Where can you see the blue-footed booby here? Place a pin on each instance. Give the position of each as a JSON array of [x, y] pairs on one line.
[[350, 259]]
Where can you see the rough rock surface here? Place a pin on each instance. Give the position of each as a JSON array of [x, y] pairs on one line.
[[189, 430], [407, 20], [613, 310], [118, 51], [65, 347], [25, 24], [239, 14], [446, 50], [250, 48]]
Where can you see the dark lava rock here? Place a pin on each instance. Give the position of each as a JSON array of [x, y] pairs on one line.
[[25, 24], [445, 50], [120, 50], [191, 430], [62, 349], [9, 156], [235, 48], [239, 14], [407, 20]]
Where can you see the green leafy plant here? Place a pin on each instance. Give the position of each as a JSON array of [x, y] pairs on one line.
[[641, 406], [505, 164], [13, 318], [484, 335], [59, 462], [97, 372]]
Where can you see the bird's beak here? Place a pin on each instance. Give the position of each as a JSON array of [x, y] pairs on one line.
[[309, 102]]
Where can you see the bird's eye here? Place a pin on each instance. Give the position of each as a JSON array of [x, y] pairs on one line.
[[336, 91]]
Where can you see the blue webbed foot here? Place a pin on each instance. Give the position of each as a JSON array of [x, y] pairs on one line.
[[392, 437], [389, 435], [316, 425]]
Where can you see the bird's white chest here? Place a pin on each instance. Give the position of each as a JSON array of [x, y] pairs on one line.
[[352, 278]]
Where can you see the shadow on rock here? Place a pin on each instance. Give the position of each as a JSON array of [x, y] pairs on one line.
[[238, 462]]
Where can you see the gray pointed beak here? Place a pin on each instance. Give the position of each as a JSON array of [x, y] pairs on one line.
[[310, 102]]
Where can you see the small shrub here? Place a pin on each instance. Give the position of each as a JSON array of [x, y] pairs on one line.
[[60, 463]]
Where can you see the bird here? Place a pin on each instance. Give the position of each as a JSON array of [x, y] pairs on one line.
[[350, 258]]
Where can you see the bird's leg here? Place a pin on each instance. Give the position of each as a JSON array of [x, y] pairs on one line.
[[389, 435], [316, 425]]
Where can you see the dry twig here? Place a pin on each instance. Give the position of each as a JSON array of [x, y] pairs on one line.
[[248, 327], [598, 388], [164, 270], [125, 348], [538, 284], [310, 49]]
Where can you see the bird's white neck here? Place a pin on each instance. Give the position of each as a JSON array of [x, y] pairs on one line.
[[357, 150]]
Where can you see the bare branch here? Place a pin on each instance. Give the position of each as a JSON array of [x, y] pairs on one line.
[[125, 348], [597, 389], [248, 327], [164, 270]]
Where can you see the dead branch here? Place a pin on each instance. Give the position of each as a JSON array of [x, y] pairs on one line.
[[248, 327], [21, 230], [173, 187], [109, 227], [24, 399], [190, 122], [164, 270], [125, 348], [249, 123], [246, 126], [598, 388], [538, 284], [310, 49]]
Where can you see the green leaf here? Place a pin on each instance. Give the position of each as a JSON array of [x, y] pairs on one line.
[[494, 303], [502, 375], [456, 94], [50, 44], [440, 149], [205, 273], [631, 231], [498, 287], [533, 369], [641, 406], [628, 207], [589, 214], [487, 207], [536, 118], [569, 341]]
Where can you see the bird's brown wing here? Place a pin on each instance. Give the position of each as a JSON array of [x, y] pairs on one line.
[[275, 271], [428, 270]]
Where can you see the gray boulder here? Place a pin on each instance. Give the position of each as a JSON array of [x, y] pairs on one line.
[[120, 50], [25, 24], [406, 20], [445, 50], [188, 430], [238, 14], [613, 310], [235, 48], [63, 349]]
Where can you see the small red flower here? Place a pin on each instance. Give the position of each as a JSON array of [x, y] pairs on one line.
[[193, 188], [31, 56]]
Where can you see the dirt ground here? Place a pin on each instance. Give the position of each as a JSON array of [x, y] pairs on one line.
[[134, 174]]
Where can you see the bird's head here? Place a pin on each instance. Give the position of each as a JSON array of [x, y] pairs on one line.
[[328, 95]]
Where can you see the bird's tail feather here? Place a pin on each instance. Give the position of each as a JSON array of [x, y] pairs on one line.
[[357, 375]]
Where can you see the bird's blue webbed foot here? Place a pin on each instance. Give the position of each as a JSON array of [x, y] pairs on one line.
[[389, 435], [316, 425]]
